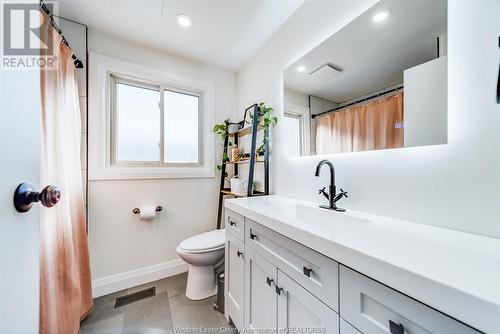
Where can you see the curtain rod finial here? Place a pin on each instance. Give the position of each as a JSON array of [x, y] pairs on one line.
[[78, 63]]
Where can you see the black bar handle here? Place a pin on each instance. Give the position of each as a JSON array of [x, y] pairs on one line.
[[269, 281], [395, 328], [232, 223], [239, 253], [278, 290], [307, 271], [253, 236]]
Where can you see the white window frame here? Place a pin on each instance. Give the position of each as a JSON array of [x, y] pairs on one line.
[[300, 119], [100, 165], [160, 88], [303, 114]]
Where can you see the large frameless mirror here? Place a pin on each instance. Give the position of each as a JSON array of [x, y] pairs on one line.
[[378, 83]]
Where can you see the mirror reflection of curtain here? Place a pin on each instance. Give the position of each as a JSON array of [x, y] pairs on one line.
[[317, 105], [375, 125]]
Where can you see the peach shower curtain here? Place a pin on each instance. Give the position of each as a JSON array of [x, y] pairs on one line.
[[65, 283], [375, 125]]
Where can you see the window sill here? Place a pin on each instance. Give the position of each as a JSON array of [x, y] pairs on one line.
[[142, 173]]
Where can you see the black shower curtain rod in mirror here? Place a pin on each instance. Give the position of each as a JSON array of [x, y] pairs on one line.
[[78, 63], [498, 80], [382, 93]]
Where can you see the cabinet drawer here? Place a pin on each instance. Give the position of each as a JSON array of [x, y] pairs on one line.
[[315, 272], [235, 224], [375, 308], [235, 277]]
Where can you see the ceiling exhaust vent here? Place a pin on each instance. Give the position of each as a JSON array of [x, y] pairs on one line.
[[325, 72]]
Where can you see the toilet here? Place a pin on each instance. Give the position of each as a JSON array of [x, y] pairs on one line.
[[203, 252]]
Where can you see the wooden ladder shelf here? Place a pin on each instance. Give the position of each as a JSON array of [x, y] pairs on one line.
[[249, 130]]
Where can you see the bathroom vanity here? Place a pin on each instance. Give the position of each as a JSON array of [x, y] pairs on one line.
[[291, 265]]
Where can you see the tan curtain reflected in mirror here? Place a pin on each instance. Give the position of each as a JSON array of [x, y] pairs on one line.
[[65, 283], [375, 125]]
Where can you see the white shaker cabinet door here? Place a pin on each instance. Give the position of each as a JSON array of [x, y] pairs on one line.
[[346, 328], [301, 312], [235, 279], [260, 293]]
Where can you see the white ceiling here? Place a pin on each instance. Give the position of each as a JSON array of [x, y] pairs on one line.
[[372, 56], [224, 32]]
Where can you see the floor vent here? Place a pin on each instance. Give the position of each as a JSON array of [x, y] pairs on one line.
[[133, 297]]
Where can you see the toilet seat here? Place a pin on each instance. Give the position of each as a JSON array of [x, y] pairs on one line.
[[204, 242]]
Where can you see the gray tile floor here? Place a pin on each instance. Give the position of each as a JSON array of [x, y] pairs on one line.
[[167, 312]]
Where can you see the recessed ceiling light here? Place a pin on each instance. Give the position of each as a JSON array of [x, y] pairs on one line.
[[184, 20], [301, 69], [382, 15]]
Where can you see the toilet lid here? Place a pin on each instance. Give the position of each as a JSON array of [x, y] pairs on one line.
[[204, 241]]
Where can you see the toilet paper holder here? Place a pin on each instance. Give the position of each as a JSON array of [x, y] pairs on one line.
[[136, 211]]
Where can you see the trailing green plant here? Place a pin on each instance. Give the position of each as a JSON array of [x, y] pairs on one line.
[[265, 116], [221, 130]]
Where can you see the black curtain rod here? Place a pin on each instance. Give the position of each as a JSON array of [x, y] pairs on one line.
[[78, 63], [358, 101]]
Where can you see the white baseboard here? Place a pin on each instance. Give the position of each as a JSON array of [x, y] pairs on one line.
[[113, 283]]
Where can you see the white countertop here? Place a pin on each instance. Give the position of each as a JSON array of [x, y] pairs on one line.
[[455, 272]]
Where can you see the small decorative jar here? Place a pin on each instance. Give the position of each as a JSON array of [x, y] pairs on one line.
[[235, 154]]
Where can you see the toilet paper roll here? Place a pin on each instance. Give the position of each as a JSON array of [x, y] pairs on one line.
[[147, 212]]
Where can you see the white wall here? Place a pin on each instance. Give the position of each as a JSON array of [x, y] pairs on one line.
[[291, 96], [124, 250], [455, 185]]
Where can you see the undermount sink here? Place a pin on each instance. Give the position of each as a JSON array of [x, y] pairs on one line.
[[318, 217]]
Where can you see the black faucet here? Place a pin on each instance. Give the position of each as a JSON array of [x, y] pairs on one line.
[[332, 196]]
